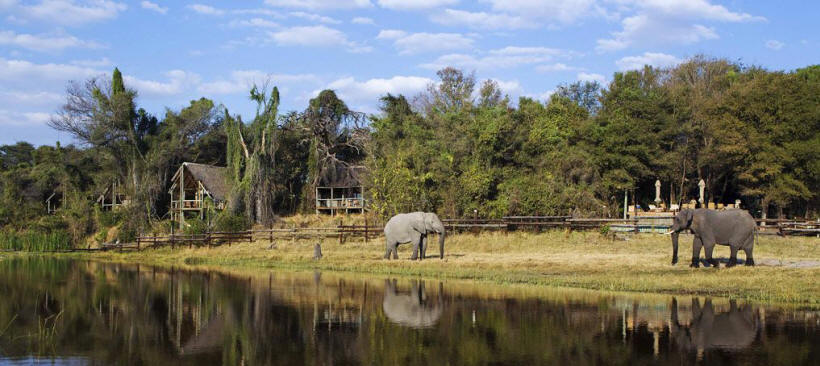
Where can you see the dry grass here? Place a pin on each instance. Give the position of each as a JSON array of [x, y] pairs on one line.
[[577, 260]]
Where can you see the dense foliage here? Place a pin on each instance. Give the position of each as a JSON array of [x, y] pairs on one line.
[[750, 134], [460, 148]]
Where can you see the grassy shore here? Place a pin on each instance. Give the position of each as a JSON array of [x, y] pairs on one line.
[[577, 260]]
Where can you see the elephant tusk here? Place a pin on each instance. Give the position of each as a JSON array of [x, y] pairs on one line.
[[670, 232]]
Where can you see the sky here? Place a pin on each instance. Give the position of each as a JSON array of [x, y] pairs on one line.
[[172, 52]]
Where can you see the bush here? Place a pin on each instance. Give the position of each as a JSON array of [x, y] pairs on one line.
[[108, 218], [230, 222], [195, 227]]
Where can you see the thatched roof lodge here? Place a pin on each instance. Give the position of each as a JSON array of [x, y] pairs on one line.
[[341, 190], [195, 188], [113, 196]]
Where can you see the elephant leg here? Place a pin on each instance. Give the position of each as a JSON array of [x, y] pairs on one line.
[[696, 245], [390, 247], [423, 246], [732, 256], [748, 250], [708, 248], [416, 244]]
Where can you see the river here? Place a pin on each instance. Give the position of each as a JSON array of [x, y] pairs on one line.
[[70, 312]]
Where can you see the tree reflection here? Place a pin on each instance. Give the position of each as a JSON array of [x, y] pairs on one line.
[[112, 313]]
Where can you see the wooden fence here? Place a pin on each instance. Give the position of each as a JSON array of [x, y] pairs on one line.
[[639, 224]]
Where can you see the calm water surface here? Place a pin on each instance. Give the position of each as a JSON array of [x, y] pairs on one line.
[[76, 313]]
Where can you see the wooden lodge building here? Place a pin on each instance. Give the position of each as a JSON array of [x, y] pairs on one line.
[[197, 187], [113, 197], [341, 191]]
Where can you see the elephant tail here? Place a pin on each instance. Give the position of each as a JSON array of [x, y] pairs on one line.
[[757, 230]]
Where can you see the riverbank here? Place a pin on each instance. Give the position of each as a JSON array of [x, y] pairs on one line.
[[788, 270]]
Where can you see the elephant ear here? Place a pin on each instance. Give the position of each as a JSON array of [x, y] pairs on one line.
[[689, 216], [417, 222]]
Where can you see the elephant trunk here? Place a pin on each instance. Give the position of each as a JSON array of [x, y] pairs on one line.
[[675, 247], [441, 243]]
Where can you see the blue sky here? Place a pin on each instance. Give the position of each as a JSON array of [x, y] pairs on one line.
[[173, 51]]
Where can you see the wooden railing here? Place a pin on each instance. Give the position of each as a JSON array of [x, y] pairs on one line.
[[368, 232], [334, 203]]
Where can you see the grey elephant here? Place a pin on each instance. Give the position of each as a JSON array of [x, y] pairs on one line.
[[735, 329], [413, 309], [735, 228], [412, 228]]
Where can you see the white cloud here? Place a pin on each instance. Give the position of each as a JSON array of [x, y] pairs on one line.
[[648, 58], [583, 76], [509, 87], [320, 4], [650, 30], [206, 9], [319, 35], [701, 9], [241, 81], [314, 17], [178, 82], [253, 23], [309, 36], [43, 99], [507, 57], [68, 12], [363, 20], [154, 7], [561, 11], [362, 94], [414, 4], [661, 22], [556, 67], [44, 42], [25, 75], [427, 42], [103, 62], [11, 118], [516, 50], [774, 44], [482, 20], [391, 34], [257, 11]]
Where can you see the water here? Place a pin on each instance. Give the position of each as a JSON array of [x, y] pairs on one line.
[[76, 312]]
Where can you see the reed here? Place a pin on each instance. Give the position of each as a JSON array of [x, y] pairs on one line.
[[34, 241]]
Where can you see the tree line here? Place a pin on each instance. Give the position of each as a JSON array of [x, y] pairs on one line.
[[460, 148]]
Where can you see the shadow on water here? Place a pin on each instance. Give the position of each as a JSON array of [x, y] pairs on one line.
[[87, 312]]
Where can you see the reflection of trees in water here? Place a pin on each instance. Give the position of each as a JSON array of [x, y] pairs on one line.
[[132, 314]]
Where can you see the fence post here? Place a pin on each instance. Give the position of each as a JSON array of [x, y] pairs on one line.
[[365, 228], [138, 243]]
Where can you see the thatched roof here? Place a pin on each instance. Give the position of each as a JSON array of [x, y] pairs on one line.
[[213, 178], [343, 176]]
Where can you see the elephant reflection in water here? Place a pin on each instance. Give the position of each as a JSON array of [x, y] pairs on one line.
[[413, 309], [733, 330]]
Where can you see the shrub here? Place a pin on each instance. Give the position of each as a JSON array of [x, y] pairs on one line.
[[195, 227], [230, 222]]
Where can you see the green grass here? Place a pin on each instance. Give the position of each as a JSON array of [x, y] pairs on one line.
[[584, 260], [33, 241]]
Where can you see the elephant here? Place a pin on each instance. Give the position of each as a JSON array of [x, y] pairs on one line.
[[735, 228], [412, 228], [410, 310], [733, 330]]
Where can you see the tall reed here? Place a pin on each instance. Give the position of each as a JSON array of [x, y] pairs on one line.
[[34, 241]]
